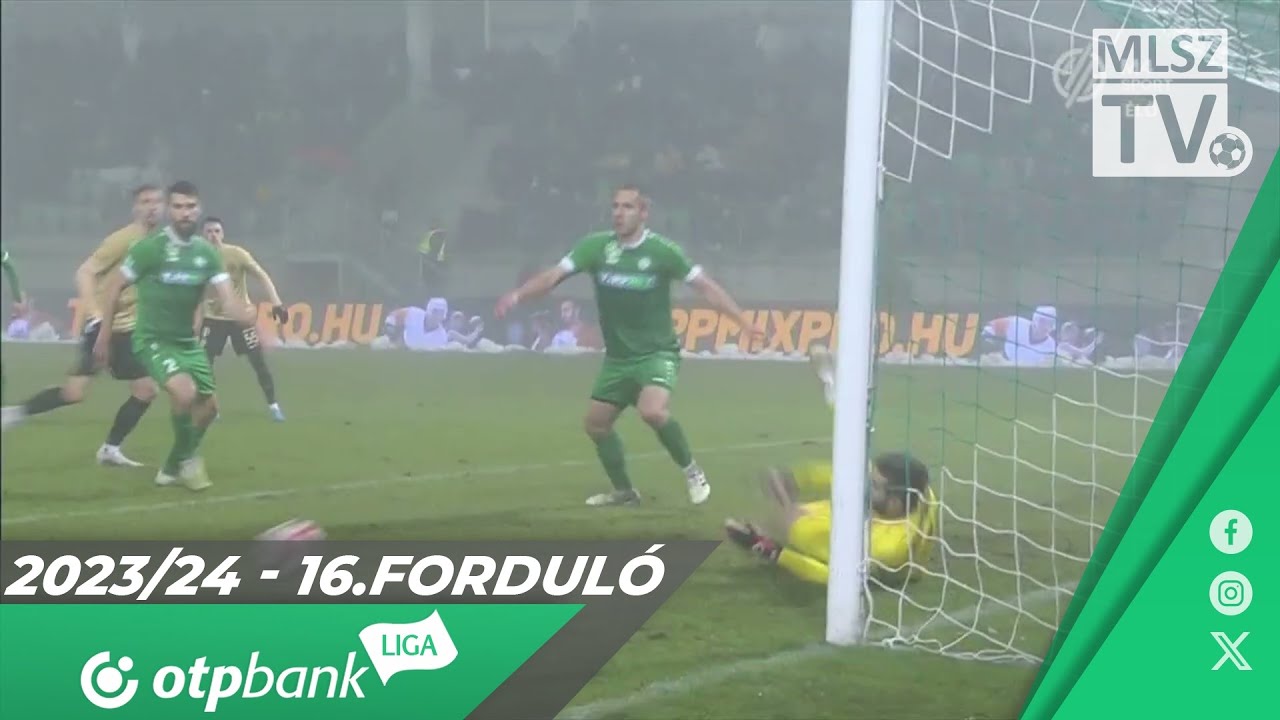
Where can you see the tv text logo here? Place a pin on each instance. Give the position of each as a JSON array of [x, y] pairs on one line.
[[1160, 105]]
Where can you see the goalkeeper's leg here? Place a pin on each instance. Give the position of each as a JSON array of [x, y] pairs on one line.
[[808, 547], [824, 366], [808, 569], [806, 526]]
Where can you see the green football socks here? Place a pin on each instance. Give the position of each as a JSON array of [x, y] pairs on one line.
[[198, 432], [672, 438], [609, 450], [184, 442]]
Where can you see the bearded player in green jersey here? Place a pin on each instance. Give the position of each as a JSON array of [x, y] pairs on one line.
[[172, 269], [632, 268]]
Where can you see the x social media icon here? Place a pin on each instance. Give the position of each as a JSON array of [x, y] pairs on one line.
[[1231, 650]]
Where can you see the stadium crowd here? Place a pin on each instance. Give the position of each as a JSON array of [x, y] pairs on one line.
[[698, 121], [714, 125], [229, 103], [708, 114]]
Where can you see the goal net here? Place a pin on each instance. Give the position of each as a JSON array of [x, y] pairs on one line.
[[987, 177]]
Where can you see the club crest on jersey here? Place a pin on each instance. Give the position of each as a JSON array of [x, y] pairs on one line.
[[612, 253], [199, 261], [644, 263]]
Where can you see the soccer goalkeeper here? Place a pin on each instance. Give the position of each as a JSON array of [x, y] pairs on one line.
[[903, 523]]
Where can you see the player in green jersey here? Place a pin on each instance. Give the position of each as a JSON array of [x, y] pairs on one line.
[[632, 269], [172, 269], [11, 276], [15, 287]]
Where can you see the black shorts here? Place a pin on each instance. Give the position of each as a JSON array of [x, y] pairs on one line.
[[215, 333], [120, 359]]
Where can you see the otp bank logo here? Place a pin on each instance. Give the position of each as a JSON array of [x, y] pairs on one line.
[[392, 648], [215, 683], [104, 685]]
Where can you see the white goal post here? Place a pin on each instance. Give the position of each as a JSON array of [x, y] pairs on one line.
[[868, 33], [1050, 488]]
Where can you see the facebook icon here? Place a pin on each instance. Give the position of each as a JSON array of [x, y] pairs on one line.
[[1230, 531]]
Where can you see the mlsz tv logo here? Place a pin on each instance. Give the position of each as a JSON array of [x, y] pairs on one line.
[[1160, 105]]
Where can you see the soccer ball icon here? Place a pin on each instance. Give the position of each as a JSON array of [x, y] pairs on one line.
[[1228, 151]]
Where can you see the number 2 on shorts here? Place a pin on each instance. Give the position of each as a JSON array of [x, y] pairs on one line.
[[169, 364]]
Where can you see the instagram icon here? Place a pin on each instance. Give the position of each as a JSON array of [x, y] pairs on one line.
[[1230, 593]]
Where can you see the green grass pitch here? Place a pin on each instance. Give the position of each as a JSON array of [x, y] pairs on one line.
[[383, 445]]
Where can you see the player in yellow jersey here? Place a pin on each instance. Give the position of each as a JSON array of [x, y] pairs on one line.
[[218, 327], [902, 528], [148, 202]]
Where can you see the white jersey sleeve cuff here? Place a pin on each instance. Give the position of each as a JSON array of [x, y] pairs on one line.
[[566, 264], [220, 278], [695, 272], [127, 271]]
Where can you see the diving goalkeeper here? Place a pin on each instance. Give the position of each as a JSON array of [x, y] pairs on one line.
[[903, 522]]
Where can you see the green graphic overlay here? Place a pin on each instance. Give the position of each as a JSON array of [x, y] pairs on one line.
[[46, 647], [1164, 642], [1229, 373]]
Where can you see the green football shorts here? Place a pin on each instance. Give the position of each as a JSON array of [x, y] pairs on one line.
[[165, 358], [621, 379]]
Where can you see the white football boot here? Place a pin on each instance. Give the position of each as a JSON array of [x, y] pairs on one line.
[[615, 498], [699, 488], [193, 475], [112, 456], [11, 416]]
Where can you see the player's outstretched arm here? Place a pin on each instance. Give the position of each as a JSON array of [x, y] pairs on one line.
[[115, 284], [261, 273], [721, 300], [278, 310], [86, 285], [469, 338], [241, 312], [535, 287], [111, 252], [393, 327]]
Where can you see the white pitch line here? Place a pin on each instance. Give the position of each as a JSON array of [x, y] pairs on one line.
[[272, 494], [716, 674]]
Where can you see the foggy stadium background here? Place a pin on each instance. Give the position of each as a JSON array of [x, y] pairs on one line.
[[332, 138]]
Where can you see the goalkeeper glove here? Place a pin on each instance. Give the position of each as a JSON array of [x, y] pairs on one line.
[[749, 538], [280, 313]]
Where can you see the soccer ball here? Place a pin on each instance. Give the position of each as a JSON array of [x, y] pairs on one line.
[[1227, 151], [282, 547], [294, 530]]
